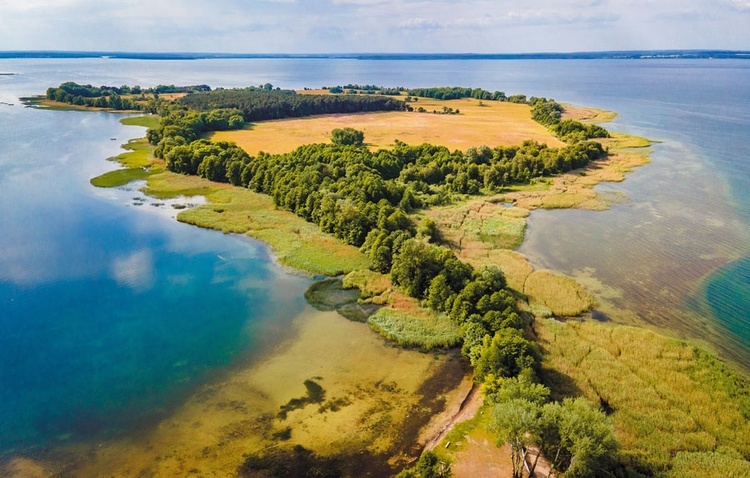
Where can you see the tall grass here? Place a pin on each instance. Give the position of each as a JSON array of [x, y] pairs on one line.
[[665, 396], [426, 332], [120, 177], [374, 286], [514, 265], [559, 293]]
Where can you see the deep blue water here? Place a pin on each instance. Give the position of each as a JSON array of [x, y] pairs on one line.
[[109, 313]]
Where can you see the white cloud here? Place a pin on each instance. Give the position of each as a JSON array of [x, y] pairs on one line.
[[741, 5]]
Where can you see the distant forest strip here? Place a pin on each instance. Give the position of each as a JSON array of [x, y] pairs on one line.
[[253, 103], [259, 104], [116, 97]]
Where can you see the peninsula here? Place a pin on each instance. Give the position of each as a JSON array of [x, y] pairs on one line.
[[417, 198]]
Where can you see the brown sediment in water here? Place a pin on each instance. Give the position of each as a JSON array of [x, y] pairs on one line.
[[375, 400]]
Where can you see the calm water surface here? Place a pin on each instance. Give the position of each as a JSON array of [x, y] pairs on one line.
[[109, 312]]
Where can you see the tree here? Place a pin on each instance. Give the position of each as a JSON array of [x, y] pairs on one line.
[[518, 423], [521, 387], [347, 136], [439, 294], [506, 355], [577, 438], [429, 465]]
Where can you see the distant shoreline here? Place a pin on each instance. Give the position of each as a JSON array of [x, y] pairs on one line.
[[595, 55]]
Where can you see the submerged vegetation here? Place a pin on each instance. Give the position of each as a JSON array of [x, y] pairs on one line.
[[594, 400]]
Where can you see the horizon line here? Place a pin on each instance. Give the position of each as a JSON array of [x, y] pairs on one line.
[[602, 54]]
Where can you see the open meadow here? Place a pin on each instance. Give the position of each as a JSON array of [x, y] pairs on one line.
[[490, 123]]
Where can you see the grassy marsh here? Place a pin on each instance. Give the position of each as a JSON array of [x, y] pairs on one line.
[[665, 396], [147, 121], [296, 243], [137, 161], [559, 293], [425, 331], [120, 177]]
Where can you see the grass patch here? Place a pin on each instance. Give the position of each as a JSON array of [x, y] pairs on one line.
[[306, 248], [425, 332], [708, 465], [625, 141], [296, 243], [503, 231], [587, 115], [665, 396], [147, 121], [138, 154], [559, 293], [329, 294], [479, 223], [369, 282], [120, 177], [536, 185], [564, 200], [168, 185], [514, 265]]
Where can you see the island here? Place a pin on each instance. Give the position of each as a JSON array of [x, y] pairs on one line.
[[408, 205]]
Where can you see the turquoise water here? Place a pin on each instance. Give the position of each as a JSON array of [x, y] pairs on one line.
[[728, 294], [111, 313]]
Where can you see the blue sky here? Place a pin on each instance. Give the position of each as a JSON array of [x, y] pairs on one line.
[[340, 26]]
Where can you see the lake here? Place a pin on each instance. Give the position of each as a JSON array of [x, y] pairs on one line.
[[112, 313]]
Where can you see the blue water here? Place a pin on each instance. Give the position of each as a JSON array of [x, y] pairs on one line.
[[111, 313]]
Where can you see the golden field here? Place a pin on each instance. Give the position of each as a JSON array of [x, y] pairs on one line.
[[492, 124]]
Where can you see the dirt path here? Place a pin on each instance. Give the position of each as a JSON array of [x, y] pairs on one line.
[[468, 408]]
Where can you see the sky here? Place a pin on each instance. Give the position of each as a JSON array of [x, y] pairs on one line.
[[373, 26]]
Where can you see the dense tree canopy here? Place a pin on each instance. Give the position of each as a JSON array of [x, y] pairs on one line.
[[261, 104], [456, 92], [347, 137]]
